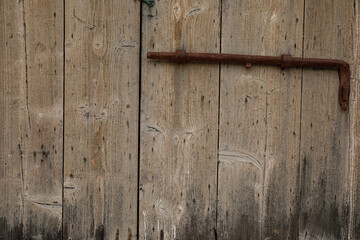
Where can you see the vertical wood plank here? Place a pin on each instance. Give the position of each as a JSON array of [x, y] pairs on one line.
[[31, 143], [101, 119], [179, 122], [355, 129], [12, 118], [242, 125], [325, 163], [259, 123], [44, 105]]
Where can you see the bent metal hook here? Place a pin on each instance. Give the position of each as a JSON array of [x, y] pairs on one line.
[[284, 61]]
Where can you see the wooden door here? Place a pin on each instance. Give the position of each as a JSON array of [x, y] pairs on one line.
[[99, 142]]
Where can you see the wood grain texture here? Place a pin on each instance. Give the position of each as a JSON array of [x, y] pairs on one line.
[[101, 119], [179, 121], [325, 162], [355, 128], [259, 123], [32, 110], [288, 159], [12, 119], [281, 175]]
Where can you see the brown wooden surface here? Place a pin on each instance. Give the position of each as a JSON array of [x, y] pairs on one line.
[[260, 123], [101, 112], [325, 162], [355, 130], [12, 117], [31, 81], [225, 152], [179, 127]]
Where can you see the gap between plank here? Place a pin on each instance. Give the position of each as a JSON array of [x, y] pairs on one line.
[[63, 130], [301, 98], [218, 137], [139, 125]]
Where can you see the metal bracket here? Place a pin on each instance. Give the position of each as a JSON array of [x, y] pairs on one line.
[[284, 61], [149, 2]]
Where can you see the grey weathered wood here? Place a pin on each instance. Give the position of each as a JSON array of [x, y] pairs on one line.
[[260, 172], [242, 128], [355, 129], [101, 119], [259, 123], [31, 120], [325, 162], [179, 121], [43, 143], [31, 159], [12, 118], [281, 175]]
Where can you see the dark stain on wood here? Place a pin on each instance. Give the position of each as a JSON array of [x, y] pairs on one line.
[[332, 218], [161, 234], [35, 229], [100, 233], [196, 227], [10, 233], [247, 227], [18, 232], [357, 226], [198, 222], [242, 223], [65, 231], [117, 234]]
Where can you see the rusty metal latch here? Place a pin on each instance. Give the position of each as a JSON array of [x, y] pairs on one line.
[[284, 61]]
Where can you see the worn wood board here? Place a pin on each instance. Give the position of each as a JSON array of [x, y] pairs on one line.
[[225, 152], [32, 114], [179, 112], [101, 119], [325, 162], [259, 123]]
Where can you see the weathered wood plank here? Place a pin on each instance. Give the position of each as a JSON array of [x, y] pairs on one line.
[[31, 143], [242, 138], [12, 118], [44, 105], [179, 122], [325, 163], [101, 119], [355, 129], [259, 123]]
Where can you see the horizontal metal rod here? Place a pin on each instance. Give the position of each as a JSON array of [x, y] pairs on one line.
[[284, 61]]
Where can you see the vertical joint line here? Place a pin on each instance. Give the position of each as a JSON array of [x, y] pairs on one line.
[[139, 121], [303, 37], [301, 104], [218, 137], [28, 112], [262, 200], [352, 222], [63, 130], [26, 69]]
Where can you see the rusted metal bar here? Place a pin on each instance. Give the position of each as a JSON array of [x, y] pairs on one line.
[[284, 61]]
